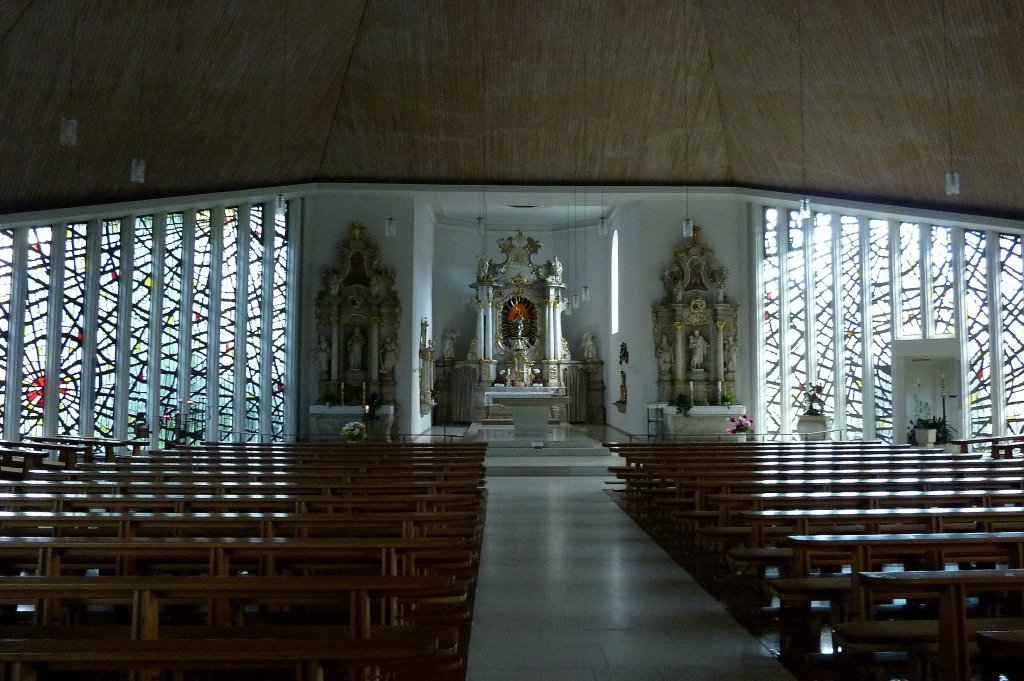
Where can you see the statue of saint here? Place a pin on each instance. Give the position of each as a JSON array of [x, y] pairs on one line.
[[665, 355], [448, 343], [730, 353], [355, 350], [699, 345], [589, 348], [323, 355], [518, 323], [389, 356]]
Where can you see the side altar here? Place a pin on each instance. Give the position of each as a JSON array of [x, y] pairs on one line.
[[517, 350], [695, 328]]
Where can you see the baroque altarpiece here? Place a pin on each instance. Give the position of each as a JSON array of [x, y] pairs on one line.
[[357, 314], [695, 332], [517, 344]]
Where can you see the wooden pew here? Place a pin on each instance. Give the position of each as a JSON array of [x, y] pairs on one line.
[[949, 637], [109, 445]]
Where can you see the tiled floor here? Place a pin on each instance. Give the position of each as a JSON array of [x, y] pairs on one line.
[[571, 590]]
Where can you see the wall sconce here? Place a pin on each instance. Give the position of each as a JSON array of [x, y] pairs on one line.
[[389, 227], [138, 173]]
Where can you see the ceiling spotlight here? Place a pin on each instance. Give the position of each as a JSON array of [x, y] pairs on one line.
[[687, 228], [138, 174], [805, 209], [280, 205], [69, 132], [952, 183]]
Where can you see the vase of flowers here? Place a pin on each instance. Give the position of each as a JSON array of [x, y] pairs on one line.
[[354, 431], [741, 425], [813, 398]]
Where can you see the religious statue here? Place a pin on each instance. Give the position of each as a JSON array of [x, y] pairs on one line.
[[388, 356], [355, 350], [730, 353], [556, 271], [448, 343], [566, 355], [483, 267], [623, 354], [665, 355], [323, 355], [518, 323], [699, 345], [589, 348]]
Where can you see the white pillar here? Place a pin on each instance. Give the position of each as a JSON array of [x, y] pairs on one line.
[[680, 348], [721, 349], [335, 342], [558, 332], [372, 355]]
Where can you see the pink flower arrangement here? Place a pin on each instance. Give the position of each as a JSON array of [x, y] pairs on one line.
[[741, 424], [812, 396]]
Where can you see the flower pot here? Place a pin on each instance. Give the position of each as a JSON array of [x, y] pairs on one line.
[[924, 437], [813, 427]]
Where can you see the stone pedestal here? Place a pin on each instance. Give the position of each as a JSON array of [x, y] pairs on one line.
[[702, 423], [814, 427], [325, 423]]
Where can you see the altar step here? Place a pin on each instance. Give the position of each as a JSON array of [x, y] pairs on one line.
[[506, 462]]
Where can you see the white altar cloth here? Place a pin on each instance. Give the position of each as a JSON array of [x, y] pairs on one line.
[[530, 411]]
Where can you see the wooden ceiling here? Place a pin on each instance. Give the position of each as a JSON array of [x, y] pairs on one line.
[[844, 98]]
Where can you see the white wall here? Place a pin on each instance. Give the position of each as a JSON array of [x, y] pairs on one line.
[[420, 307]]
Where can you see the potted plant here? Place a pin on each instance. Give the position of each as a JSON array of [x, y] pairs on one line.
[[929, 431], [728, 399], [683, 404]]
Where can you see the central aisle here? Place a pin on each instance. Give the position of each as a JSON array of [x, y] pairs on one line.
[[572, 590]]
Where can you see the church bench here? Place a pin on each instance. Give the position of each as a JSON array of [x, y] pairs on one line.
[[307, 655], [55, 556], [202, 501], [995, 443], [127, 524], [775, 524], [934, 549], [109, 445], [950, 637], [305, 486]]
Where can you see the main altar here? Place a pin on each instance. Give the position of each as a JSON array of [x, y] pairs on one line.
[[518, 356]]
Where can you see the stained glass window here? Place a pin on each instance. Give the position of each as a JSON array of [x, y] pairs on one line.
[[772, 324], [851, 297], [109, 286], [72, 329], [823, 319], [37, 308], [910, 310], [170, 328], [199, 317], [976, 309], [1011, 288], [140, 316], [880, 319], [254, 324], [225, 404], [278, 326], [943, 308], [796, 298]]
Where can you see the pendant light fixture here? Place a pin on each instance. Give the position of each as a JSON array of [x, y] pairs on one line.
[[805, 203], [688, 221], [952, 176], [68, 123], [137, 172], [280, 203]]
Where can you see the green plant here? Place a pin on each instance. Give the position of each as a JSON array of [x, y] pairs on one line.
[[943, 432], [683, 403], [728, 399]]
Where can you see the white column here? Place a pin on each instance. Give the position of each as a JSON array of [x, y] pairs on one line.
[[489, 325], [335, 343], [721, 349], [679, 365], [372, 356], [549, 325], [480, 331], [558, 332]]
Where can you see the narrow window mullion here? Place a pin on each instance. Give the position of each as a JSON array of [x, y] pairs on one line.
[[16, 343], [995, 321], [267, 324], [238, 398], [839, 368], [870, 413], [155, 323], [214, 326], [187, 296]]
